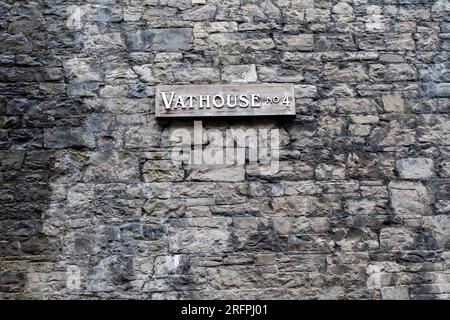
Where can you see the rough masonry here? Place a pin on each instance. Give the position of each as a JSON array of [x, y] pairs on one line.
[[92, 207]]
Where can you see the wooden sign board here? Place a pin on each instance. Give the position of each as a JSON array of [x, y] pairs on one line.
[[224, 100]]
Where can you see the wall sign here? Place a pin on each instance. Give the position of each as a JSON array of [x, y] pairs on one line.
[[224, 100]]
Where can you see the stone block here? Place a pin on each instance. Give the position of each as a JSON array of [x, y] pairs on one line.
[[112, 166], [434, 129], [162, 171], [396, 239], [395, 293], [393, 102], [300, 42], [215, 173], [200, 13]]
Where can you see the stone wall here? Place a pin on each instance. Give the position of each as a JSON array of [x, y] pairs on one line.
[[91, 206]]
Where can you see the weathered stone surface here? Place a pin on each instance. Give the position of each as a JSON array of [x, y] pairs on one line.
[[393, 102], [162, 170], [215, 173], [440, 228], [141, 137], [170, 39], [234, 43], [395, 293], [198, 240], [239, 73], [111, 166], [80, 195], [410, 198], [394, 133], [434, 129], [69, 137], [301, 42], [415, 168], [92, 205], [330, 172], [366, 206], [279, 74], [200, 13], [197, 75], [396, 239], [305, 91], [81, 70], [286, 170], [347, 73], [438, 89], [392, 72], [350, 105]]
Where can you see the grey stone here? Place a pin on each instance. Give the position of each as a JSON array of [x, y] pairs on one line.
[[301, 42], [438, 89], [194, 75], [330, 172], [81, 70], [98, 13], [200, 13], [392, 72], [215, 173], [141, 137], [93, 207], [434, 129], [69, 137], [162, 170], [440, 228], [80, 195], [395, 293], [351, 105], [239, 73], [144, 73], [235, 44], [415, 168], [393, 134], [441, 5], [348, 73], [396, 239], [393, 102], [410, 198], [170, 39], [111, 166], [279, 74], [343, 9], [305, 91]]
